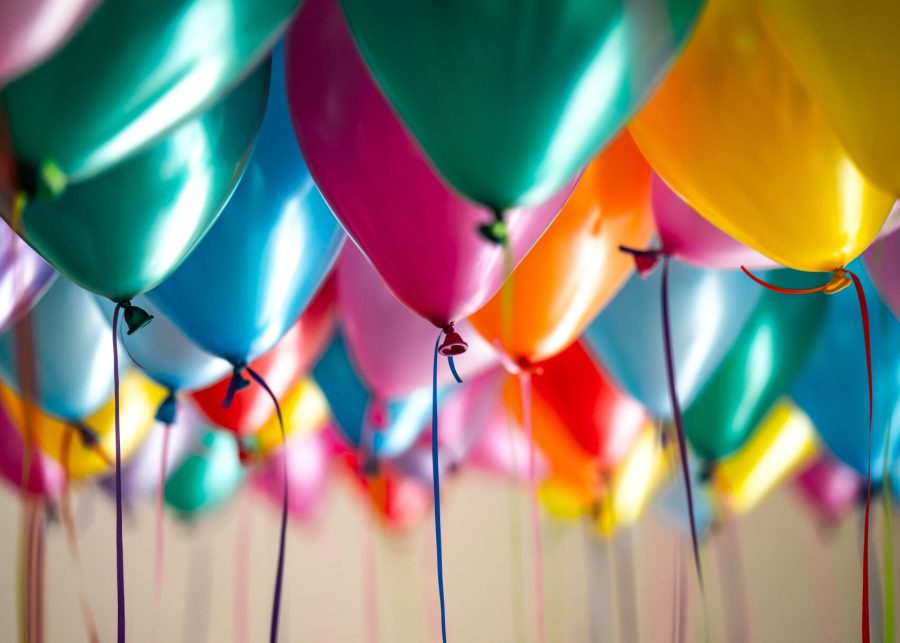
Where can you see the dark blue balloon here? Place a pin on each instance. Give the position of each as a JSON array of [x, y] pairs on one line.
[[832, 388], [249, 279]]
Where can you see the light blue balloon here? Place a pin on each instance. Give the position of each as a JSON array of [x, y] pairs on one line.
[[166, 354], [246, 283], [707, 310], [833, 387], [672, 503], [73, 353], [352, 406]]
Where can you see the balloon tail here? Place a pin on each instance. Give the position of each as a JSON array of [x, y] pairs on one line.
[[525, 388], [731, 569], [279, 570], [242, 570], [31, 586], [515, 528], [676, 416], [120, 554], [645, 261], [496, 231], [160, 502]]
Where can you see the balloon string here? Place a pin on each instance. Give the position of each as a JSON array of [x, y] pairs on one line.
[[120, 554], [160, 502], [72, 540], [369, 580], [676, 416], [784, 291], [436, 484], [279, 572], [528, 426], [732, 575], [241, 566], [888, 571], [515, 521]]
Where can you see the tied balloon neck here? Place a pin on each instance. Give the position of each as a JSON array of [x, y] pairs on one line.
[[371, 466], [236, 384], [135, 316], [496, 231], [45, 182], [453, 343], [645, 261], [89, 438], [707, 471], [167, 411], [248, 450], [840, 279]]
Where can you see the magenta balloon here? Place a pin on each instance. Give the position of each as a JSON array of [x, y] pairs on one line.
[[31, 30], [882, 261], [830, 486], [419, 235], [687, 236], [387, 341], [45, 476], [24, 276]]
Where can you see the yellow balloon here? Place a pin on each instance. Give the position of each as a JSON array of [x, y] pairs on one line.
[[784, 441], [847, 53], [563, 501], [735, 132], [304, 410], [139, 399]]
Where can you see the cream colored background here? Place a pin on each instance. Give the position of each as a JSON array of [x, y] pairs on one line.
[[324, 600]]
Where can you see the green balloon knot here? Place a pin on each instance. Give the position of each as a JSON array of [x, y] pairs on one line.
[[135, 317], [46, 182], [495, 231]]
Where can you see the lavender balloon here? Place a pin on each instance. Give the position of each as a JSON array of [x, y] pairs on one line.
[[24, 276], [882, 261]]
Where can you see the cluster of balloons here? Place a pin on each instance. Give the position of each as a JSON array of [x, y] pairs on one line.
[[197, 165]]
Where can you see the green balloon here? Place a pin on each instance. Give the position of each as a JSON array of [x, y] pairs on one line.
[[511, 98], [770, 352], [124, 231], [208, 478], [132, 72]]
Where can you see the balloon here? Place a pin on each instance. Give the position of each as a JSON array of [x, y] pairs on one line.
[[209, 477], [281, 368], [841, 51], [735, 132], [688, 237], [123, 231], [30, 30], [782, 444], [581, 421], [707, 311], [386, 340], [771, 350], [165, 354], [304, 410], [830, 487], [419, 235], [24, 277], [246, 283], [510, 100], [140, 474], [882, 261], [383, 428], [673, 506], [44, 476], [138, 400], [136, 69], [71, 353], [576, 267], [833, 390], [309, 456]]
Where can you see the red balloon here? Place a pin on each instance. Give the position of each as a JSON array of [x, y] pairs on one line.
[[281, 368]]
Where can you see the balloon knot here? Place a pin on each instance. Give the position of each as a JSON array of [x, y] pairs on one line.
[[839, 281], [135, 316], [236, 384], [89, 438], [371, 467], [453, 343], [707, 472], [167, 409], [496, 231], [248, 451], [644, 260]]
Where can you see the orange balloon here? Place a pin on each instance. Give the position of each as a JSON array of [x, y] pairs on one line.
[[576, 267]]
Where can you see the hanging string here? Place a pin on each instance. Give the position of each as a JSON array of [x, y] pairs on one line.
[[625, 582], [515, 527], [731, 571], [242, 569], [160, 505], [120, 554], [279, 571], [537, 545], [370, 579]]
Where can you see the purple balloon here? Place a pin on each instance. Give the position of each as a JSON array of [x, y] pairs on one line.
[[140, 474], [24, 276], [829, 486], [882, 260], [31, 30], [45, 476]]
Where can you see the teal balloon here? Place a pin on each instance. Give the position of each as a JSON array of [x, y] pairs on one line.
[[133, 71], [209, 476], [72, 353], [833, 389], [249, 280], [124, 231], [511, 98]]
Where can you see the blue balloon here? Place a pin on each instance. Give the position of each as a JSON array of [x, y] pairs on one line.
[[707, 310], [673, 507], [833, 387], [252, 275], [166, 354], [353, 408], [73, 353]]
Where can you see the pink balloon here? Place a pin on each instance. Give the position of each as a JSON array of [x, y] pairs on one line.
[[419, 235], [45, 476], [31, 30], [387, 340], [24, 277], [829, 486], [687, 236], [882, 260]]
